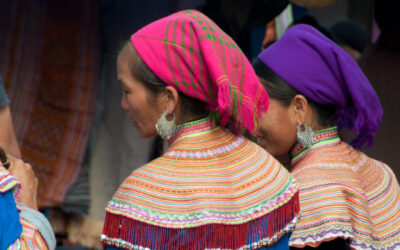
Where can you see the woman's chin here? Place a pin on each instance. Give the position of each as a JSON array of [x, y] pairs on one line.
[[145, 134], [268, 148], [141, 134], [263, 143]]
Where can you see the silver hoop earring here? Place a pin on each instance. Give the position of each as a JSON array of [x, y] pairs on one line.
[[164, 127], [306, 137]]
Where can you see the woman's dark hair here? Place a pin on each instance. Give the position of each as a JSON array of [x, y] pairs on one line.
[[3, 158], [141, 72], [280, 90]]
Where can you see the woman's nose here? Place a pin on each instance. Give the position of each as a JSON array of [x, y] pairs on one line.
[[124, 105]]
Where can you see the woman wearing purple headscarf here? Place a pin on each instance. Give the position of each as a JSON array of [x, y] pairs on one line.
[[347, 199]]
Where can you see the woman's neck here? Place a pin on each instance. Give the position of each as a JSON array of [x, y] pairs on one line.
[[185, 118]]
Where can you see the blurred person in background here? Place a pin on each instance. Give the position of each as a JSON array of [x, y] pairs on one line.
[[351, 37]]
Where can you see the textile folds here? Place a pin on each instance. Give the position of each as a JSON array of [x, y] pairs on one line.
[[49, 62]]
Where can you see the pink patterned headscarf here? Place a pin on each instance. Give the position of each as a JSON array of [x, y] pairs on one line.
[[190, 52]]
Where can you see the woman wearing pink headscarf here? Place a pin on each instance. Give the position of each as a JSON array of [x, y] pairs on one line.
[[186, 80]]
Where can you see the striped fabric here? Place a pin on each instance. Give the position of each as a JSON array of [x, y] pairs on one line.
[[7, 181], [211, 189], [190, 52], [29, 239], [36, 230], [49, 63], [10, 226], [344, 193], [39, 222]]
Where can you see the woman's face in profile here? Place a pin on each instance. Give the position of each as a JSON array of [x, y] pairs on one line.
[[144, 109], [277, 133]]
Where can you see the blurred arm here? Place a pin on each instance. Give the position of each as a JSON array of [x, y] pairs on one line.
[[8, 140]]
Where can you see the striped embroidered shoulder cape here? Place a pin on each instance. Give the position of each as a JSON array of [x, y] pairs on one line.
[[344, 193], [211, 189]]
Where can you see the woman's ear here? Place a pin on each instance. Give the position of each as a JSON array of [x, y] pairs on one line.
[[300, 108], [172, 97]]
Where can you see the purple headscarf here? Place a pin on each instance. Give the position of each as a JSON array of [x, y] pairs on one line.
[[323, 72]]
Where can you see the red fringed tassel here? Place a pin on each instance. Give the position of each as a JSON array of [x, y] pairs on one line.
[[138, 233]]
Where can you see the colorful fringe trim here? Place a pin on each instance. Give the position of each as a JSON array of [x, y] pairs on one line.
[[123, 232]]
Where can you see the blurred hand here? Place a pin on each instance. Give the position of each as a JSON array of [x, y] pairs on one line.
[[26, 177]]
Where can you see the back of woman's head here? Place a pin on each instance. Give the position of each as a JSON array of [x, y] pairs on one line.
[[189, 52], [281, 91], [323, 72]]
